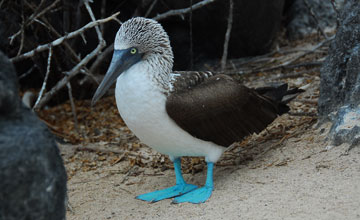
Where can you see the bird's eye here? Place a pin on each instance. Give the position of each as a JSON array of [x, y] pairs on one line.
[[133, 51]]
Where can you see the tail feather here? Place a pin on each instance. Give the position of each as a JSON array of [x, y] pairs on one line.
[[280, 94]]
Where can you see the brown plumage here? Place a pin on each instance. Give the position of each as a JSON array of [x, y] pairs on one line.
[[219, 109]]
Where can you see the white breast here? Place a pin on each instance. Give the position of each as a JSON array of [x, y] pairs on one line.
[[142, 106]]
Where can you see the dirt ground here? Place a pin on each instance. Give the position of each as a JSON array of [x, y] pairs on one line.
[[304, 178]]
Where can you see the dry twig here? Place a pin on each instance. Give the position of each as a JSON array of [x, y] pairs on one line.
[[227, 36], [60, 40], [191, 37], [73, 109], [70, 49], [101, 57], [75, 70], [150, 8], [45, 80], [33, 18], [182, 11], [88, 8]]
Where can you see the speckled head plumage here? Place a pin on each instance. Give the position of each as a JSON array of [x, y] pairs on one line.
[[148, 36], [140, 42]]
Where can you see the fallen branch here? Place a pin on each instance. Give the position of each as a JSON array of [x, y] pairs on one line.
[[59, 41]]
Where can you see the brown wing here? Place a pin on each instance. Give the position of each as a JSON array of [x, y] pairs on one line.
[[220, 110]]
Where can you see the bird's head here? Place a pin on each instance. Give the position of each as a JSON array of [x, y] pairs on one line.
[[138, 40]]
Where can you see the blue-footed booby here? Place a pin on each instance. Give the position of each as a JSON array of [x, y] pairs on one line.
[[182, 113]]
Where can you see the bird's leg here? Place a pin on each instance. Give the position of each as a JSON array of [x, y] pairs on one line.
[[180, 188], [202, 194]]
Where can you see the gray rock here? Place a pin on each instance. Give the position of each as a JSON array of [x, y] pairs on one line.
[[32, 174], [339, 100], [9, 98], [301, 23], [346, 126]]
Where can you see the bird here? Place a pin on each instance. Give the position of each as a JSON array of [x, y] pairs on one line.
[[183, 113]]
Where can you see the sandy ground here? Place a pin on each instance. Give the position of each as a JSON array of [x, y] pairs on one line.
[[303, 178], [288, 173]]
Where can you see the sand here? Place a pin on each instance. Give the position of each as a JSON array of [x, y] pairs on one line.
[[303, 178]]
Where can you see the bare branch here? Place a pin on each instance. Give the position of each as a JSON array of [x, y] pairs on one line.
[[102, 44], [150, 8], [227, 36], [67, 46], [27, 72], [60, 40], [88, 8], [103, 13], [70, 74], [182, 11], [32, 18], [43, 87], [22, 38], [73, 109], [101, 57], [95, 65], [191, 37], [75, 70], [1, 3]]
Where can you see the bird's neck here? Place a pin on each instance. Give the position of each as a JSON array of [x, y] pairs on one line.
[[158, 70]]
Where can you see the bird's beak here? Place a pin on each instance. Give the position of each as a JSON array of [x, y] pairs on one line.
[[121, 61]]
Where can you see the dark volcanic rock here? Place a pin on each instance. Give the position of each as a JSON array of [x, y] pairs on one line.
[[32, 174], [9, 98], [301, 23], [339, 99]]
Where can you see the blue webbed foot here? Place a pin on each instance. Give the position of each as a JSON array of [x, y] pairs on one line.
[[158, 195], [196, 196], [202, 194]]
